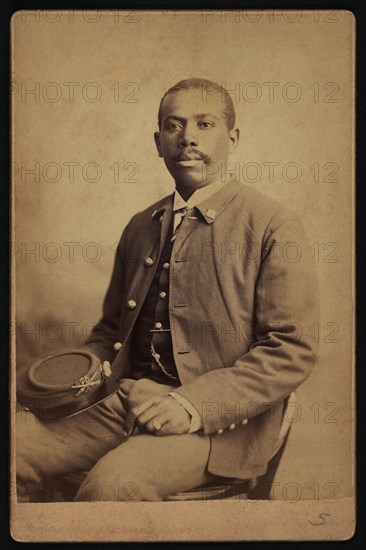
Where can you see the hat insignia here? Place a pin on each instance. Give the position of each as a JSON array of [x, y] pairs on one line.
[[85, 384]]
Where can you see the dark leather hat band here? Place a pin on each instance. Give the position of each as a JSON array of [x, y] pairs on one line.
[[61, 410], [49, 400]]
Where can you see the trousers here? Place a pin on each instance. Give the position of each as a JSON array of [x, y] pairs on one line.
[[142, 467]]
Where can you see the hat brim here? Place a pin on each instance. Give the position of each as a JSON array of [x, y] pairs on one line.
[[52, 413]]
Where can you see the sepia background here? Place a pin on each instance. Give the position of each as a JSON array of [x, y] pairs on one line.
[[86, 90]]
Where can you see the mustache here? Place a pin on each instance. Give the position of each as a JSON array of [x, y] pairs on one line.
[[193, 154]]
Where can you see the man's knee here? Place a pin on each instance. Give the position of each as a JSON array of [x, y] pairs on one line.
[[124, 474], [102, 485]]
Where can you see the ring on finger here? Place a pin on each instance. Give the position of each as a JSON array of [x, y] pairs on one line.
[[156, 425]]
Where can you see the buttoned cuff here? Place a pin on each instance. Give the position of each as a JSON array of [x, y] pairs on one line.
[[196, 420]]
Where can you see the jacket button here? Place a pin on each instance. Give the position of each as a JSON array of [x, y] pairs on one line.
[[131, 304], [220, 431], [117, 346], [149, 262], [245, 421], [166, 265], [158, 325], [162, 295], [232, 427]]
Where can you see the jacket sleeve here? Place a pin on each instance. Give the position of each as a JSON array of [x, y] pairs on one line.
[[283, 352], [105, 332]]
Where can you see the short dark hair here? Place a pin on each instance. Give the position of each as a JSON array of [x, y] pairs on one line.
[[209, 87]]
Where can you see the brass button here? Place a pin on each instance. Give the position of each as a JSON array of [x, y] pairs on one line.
[[149, 262], [166, 265], [117, 346], [162, 295], [232, 427], [220, 431], [158, 325], [131, 304], [245, 421]]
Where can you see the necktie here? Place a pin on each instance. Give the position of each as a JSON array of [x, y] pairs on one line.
[[178, 218]]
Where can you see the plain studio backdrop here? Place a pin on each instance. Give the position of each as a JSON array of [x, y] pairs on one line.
[[86, 90]]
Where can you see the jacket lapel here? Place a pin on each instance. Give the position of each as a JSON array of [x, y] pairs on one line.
[[161, 219], [212, 207]]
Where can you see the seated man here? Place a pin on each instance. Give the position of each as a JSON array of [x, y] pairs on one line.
[[205, 325]]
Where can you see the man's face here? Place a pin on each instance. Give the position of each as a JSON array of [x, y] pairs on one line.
[[194, 139]]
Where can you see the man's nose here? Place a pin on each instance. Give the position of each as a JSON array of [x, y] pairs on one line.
[[188, 138]]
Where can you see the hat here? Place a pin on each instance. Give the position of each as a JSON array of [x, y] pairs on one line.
[[64, 384]]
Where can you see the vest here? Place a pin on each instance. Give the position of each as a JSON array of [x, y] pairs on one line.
[[153, 326]]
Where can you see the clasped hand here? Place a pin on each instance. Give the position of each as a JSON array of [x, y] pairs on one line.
[[159, 416]]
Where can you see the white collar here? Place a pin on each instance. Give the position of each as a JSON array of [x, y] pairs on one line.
[[198, 196]]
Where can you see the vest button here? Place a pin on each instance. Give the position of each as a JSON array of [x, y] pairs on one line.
[[220, 431], [166, 265], [149, 262], [117, 346], [158, 325], [245, 421], [232, 427], [162, 295], [131, 304]]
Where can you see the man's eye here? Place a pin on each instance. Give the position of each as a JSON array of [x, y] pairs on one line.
[[205, 124], [174, 126]]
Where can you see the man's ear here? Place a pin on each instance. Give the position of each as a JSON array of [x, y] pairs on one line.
[[234, 135], [157, 142]]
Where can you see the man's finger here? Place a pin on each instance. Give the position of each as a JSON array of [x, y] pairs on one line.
[[133, 415], [138, 410], [129, 424], [167, 429], [156, 424], [152, 412]]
